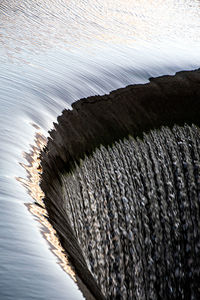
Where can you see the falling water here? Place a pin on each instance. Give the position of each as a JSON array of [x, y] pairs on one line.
[[52, 53], [134, 209]]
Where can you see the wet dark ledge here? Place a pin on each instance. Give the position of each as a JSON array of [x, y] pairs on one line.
[[128, 111], [103, 120]]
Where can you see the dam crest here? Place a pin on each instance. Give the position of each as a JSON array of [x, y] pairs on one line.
[[121, 183]]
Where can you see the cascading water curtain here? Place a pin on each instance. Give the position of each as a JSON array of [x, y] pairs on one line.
[[134, 209]]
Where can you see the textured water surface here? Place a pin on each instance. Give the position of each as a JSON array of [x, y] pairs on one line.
[[37, 25], [134, 209], [51, 54]]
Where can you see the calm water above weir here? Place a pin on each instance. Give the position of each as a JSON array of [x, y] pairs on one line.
[[53, 53]]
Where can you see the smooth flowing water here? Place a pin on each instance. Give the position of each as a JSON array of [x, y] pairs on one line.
[[53, 53]]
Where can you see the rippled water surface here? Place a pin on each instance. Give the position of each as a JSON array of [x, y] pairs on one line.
[[51, 54]]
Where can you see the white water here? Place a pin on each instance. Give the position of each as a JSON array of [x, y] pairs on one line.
[[53, 53]]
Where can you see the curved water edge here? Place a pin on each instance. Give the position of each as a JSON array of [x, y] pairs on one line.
[[53, 53], [156, 227], [132, 110], [38, 209]]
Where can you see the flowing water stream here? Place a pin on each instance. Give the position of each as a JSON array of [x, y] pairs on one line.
[[134, 209], [52, 53]]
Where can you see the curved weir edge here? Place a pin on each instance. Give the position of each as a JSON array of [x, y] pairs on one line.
[[102, 120]]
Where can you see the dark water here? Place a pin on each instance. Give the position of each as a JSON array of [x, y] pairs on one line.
[[134, 209], [51, 54]]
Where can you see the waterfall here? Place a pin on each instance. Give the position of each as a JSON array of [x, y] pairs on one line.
[[134, 210], [121, 185]]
